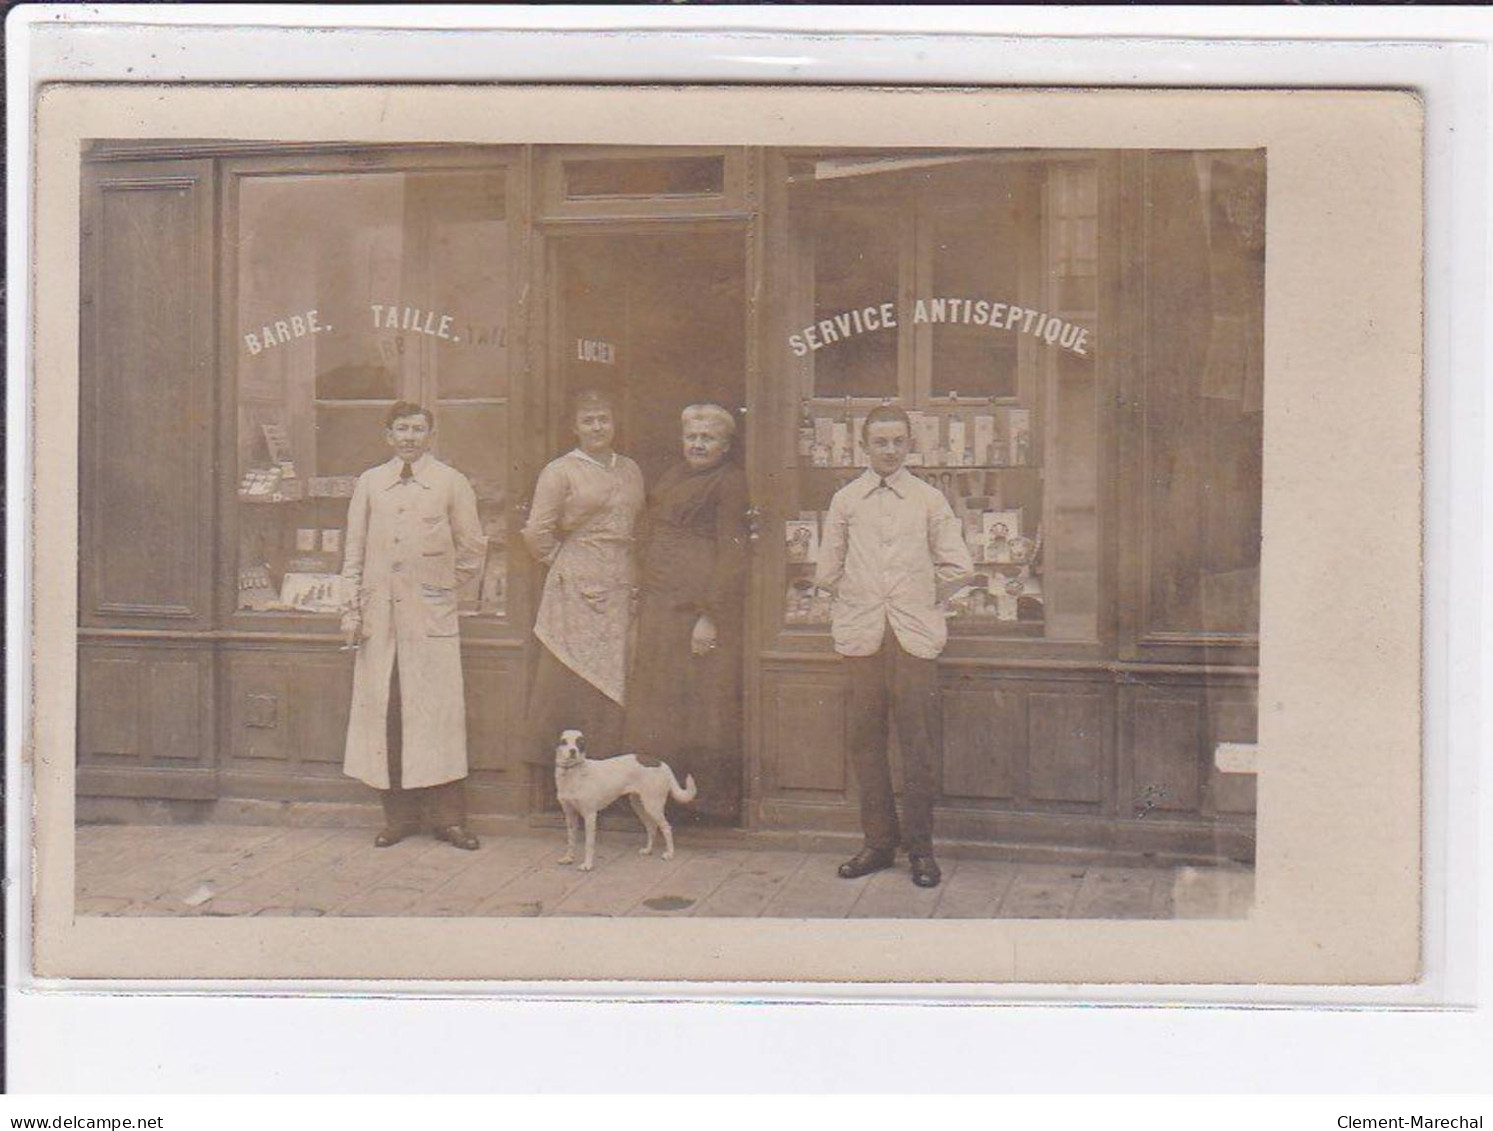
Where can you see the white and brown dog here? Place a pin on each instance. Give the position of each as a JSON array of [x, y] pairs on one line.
[[585, 788]]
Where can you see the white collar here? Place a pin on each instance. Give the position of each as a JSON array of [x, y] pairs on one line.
[[895, 482], [592, 459], [417, 469]]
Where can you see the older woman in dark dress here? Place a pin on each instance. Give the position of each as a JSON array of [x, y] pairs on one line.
[[684, 690]]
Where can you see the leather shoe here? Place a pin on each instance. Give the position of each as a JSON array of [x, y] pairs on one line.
[[925, 871], [459, 836], [390, 835], [866, 861]]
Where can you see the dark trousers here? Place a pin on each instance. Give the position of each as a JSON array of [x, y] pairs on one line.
[[439, 805], [907, 685]]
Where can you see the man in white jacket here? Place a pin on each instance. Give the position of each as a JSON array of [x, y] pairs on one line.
[[413, 538], [892, 553]]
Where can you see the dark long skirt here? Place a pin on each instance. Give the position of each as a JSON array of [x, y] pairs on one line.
[[685, 709], [561, 700]]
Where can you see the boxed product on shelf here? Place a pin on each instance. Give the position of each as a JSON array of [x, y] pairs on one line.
[[956, 451], [840, 450], [314, 563], [1018, 436], [1000, 527], [331, 486], [277, 440], [259, 484], [824, 432], [915, 439], [492, 594], [312, 592], [973, 523], [984, 438], [801, 536], [931, 440], [256, 588], [804, 604]]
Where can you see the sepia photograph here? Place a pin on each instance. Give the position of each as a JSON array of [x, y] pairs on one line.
[[507, 450], [748, 531]]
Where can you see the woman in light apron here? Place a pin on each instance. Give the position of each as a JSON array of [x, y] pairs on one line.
[[580, 525]]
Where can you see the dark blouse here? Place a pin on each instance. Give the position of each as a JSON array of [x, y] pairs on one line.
[[696, 539]]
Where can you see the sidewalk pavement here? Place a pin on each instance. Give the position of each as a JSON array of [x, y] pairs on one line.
[[238, 870]]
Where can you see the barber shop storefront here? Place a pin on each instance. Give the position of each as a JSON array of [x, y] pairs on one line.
[[1077, 337]]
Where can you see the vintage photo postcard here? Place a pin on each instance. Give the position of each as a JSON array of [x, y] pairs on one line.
[[949, 537]]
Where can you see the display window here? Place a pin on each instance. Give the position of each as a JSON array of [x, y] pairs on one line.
[[921, 280], [351, 291]]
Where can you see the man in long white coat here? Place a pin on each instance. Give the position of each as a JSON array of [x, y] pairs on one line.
[[413, 538]]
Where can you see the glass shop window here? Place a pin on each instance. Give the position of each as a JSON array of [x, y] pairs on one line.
[[856, 276], [974, 254], [354, 291], [982, 273], [645, 177]]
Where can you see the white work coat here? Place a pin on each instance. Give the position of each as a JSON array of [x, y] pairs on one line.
[[410, 545]]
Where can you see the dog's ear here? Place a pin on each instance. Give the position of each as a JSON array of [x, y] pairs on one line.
[[580, 743]]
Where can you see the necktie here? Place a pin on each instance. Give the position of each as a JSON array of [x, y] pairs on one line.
[[885, 484], [406, 473]]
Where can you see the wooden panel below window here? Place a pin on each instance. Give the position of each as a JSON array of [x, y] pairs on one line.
[[1166, 751], [807, 724], [288, 711], [322, 695], [109, 702], [494, 696], [259, 709], [984, 732], [173, 710], [141, 707], [1065, 746]]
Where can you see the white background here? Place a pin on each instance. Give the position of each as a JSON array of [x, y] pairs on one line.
[[1441, 1037]]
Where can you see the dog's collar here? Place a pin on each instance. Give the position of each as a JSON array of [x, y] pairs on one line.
[[570, 765]]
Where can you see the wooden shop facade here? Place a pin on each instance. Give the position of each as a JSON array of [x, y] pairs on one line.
[[1077, 334]]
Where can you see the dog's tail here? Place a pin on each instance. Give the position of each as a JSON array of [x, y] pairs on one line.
[[687, 793]]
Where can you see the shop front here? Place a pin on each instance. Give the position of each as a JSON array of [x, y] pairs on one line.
[[1077, 336]]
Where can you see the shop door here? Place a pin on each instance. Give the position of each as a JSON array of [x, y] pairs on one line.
[[657, 321]]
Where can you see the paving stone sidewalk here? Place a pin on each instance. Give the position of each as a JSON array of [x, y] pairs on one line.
[[237, 870]]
